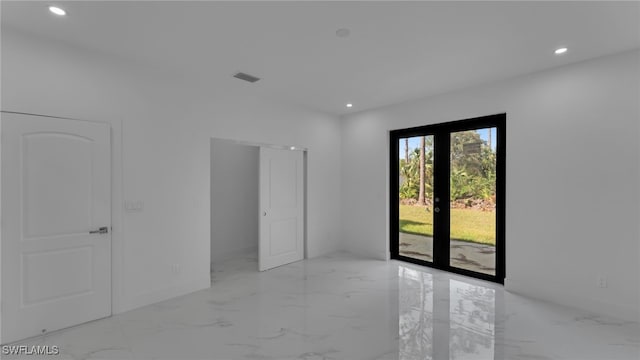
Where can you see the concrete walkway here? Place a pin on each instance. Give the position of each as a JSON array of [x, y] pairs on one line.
[[465, 255]]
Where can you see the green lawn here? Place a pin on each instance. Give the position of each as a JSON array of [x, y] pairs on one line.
[[467, 225]]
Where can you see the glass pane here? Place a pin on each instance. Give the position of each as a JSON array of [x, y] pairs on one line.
[[473, 200], [416, 197]]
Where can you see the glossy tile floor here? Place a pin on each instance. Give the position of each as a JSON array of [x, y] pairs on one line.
[[341, 307]]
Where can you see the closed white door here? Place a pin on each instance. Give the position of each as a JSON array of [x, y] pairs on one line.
[[56, 224], [282, 207]]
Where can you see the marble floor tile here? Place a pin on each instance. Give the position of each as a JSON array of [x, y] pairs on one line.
[[342, 307]]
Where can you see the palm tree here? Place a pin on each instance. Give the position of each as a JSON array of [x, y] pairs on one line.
[[406, 150], [421, 170]]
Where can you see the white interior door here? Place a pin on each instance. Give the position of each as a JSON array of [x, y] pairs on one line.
[[56, 177], [282, 207]]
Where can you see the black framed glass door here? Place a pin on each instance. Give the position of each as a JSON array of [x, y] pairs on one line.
[[447, 196]]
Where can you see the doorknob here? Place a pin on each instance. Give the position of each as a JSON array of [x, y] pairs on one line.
[[102, 230], [264, 213], [436, 209]]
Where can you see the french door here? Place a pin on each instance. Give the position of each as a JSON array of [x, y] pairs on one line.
[[447, 196]]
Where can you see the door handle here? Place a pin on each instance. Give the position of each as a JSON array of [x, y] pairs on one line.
[[102, 230], [436, 209]]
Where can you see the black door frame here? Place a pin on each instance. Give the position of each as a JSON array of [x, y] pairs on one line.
[[441, 242]]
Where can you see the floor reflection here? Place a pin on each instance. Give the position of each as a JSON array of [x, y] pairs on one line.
[[415, 314], [465, 328], [472, 321]]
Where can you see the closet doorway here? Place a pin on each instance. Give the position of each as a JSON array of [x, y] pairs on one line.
[[257, 202]]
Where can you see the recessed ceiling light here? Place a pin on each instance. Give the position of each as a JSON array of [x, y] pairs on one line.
[[349, 105], [561, 50], [343, 33], [58, 11], [292, 148]]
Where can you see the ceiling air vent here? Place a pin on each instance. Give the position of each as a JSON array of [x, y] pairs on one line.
[[246, 77]]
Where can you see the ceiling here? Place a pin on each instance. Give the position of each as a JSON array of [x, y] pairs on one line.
[[397, 51]]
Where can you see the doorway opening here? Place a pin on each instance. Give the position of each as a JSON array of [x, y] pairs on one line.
[[447, 196], [257, 204], [234, 200]]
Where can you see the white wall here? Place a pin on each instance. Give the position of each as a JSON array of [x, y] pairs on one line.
[[235, 198], [167, 125], [572, 178]]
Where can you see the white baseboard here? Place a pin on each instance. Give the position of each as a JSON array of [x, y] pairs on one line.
[[565, 299], [167, 293]]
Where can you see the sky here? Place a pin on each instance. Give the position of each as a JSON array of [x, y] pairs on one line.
[[414, 142]]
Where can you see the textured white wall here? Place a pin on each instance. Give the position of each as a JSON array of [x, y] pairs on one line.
[[572, 178], [165, 154]]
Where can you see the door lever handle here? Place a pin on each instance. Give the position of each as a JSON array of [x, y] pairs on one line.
[[102, 230]]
